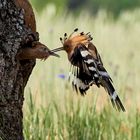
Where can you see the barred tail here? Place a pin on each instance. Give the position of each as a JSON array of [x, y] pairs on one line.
[[115, 100]]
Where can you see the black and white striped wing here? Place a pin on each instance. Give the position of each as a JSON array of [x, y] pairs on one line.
[[90, 70], [83, 77], [105, 79]]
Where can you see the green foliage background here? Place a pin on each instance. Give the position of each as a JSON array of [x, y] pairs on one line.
[[93, 6]]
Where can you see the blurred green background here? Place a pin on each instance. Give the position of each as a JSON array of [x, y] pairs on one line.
[[114, 7], [52, 110]]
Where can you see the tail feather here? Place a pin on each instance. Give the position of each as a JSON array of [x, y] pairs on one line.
[[113, 103], [115, 100], [119, 104]]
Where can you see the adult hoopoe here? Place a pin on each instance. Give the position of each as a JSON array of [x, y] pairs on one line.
[[87, 65]]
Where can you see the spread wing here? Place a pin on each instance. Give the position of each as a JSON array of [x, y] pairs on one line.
[[90, 70]]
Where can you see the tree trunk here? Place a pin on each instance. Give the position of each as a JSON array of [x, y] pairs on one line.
[[13, 73]]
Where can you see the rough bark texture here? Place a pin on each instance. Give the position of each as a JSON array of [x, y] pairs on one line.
[[13, 73]]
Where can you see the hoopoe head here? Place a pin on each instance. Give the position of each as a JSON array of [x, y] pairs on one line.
[[71, 42], [41, 51], [38, 50]]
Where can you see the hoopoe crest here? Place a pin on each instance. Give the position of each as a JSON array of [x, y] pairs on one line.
[[87, 66]]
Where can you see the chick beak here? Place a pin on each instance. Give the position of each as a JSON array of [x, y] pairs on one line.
[[53, 54]]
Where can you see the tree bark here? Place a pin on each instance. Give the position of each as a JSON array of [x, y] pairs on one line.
[[14, 74]]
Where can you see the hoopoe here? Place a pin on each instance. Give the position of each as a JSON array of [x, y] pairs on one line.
[[31, 47], [36, 51], [87, 65]]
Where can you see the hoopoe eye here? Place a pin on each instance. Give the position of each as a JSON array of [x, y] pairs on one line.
[[66, 46], [44, 49]]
